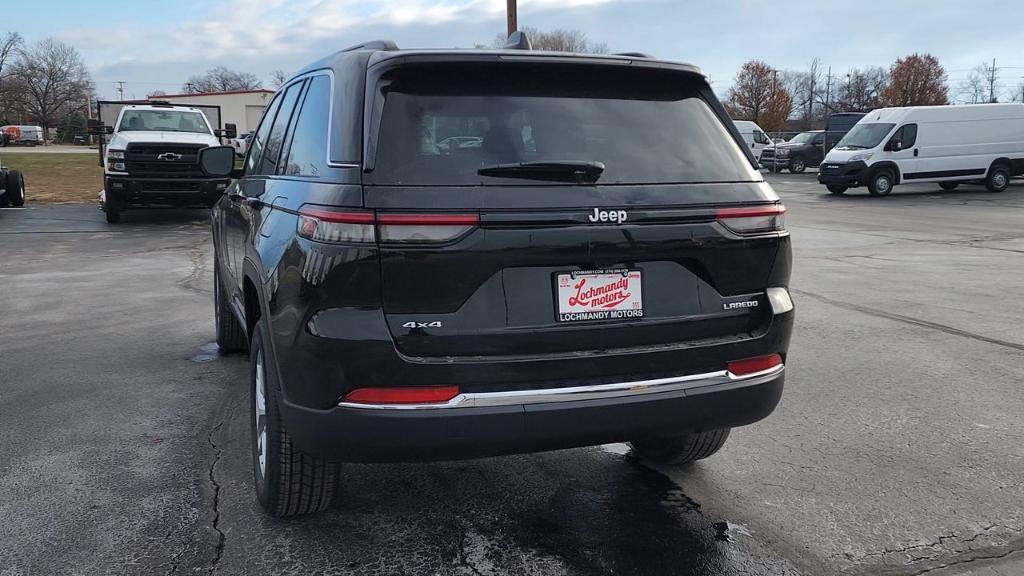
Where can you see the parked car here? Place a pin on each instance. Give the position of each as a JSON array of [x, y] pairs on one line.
[[804, 150], [753, 136], [569, 282], [241, 144], [455, 142], [837, 125], [23, 135], [152, 157], [951, 145], [80, 139], [12, 188]]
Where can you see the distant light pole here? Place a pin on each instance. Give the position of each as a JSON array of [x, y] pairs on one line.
[[512, 24]]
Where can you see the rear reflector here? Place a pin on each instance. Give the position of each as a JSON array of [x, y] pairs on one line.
[[749, 366], [402, 395], [326, 225], [753, 219]]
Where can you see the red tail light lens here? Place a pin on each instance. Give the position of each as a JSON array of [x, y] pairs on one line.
[[333, 226], [402, 395], [753, 219], [411, 228], [749, 366]]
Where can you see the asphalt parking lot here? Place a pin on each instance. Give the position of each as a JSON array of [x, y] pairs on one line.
[[896, 448]]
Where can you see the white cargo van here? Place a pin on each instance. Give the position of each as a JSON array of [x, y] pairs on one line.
[[753, 136], [951, 145]]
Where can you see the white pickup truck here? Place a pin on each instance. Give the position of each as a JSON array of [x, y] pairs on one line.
[[151, 158]]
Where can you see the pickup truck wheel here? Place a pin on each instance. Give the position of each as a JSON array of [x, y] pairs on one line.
[[15, 188], [230, 334], [998, 178], [681, 449], [948, 185], [288, 481], [836, 189], [880, 183], [797, 165], [113, 213]]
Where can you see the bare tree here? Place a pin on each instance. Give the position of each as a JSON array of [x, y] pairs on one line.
[[759, 96], [861, 90], [156, 94], [50, 81], [278, 77], [220, 79], [973, 89], [917, 80], [558, 41], [9, 46], [807, 89]]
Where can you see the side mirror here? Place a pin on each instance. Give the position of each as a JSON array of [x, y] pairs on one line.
[[217, 161], [229, 131]]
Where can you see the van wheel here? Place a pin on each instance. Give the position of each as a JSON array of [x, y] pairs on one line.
[[998, 178], [881, 183], [836, 189], [681, 449], [948, 185], [15, 188], [288, 481], [797, 165]]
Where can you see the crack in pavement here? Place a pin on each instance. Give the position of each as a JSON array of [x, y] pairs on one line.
[[910, 320], [217, 452], [956, 558]]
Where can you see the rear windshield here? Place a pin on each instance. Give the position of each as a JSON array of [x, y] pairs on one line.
[[440, 124]]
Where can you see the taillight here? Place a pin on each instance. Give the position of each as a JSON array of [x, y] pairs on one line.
[[753, 219], [749, 366], [328, 225], [424, 227], [345, 226], [402, 395]]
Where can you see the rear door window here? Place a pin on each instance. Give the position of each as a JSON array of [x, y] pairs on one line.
[[308, 153], [442, 123], [272, 149]]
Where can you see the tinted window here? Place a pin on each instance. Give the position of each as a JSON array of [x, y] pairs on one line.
[[308, 154], [259, 140], [272, 149], [441, 124], [908, 135]]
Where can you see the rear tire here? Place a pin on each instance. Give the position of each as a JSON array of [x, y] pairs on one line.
[[948, 185], [288, 481], [998, 178], [881, 183], [230, 334], [797, 165], [15, 188], [681, 449], [836, 189]]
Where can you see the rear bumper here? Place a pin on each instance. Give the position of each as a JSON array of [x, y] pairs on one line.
[[488, 426], [128, 191], [845, 174]]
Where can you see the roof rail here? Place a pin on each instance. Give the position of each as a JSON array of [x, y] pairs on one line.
[[373, 45], [517, 41], [633, 54]]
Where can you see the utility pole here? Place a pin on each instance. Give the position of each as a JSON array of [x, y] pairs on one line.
[[828, 91], [512, 17], [810, 101], [992, 82], [120, 88]]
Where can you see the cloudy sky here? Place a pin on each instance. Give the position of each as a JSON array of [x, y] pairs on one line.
[[157, 45]]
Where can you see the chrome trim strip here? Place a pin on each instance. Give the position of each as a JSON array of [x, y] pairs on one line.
[[593, 392]]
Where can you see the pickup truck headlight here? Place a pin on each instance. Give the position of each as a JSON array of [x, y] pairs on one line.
[[863, 157], [782, 152], [115, 160]]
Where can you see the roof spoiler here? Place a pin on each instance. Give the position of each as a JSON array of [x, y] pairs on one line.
[[633, 54], [517, 41], [373, 45]]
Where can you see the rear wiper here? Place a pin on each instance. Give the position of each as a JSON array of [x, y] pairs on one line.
[[555, 170]]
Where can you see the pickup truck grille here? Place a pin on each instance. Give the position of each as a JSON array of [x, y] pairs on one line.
[[164, 160], [767, 153]]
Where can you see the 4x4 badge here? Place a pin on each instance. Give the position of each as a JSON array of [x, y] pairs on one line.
[[434, 324]]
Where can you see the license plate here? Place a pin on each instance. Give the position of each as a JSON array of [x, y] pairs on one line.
[[599, 295]]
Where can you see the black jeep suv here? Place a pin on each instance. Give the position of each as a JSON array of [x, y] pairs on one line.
[[604, 264]]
